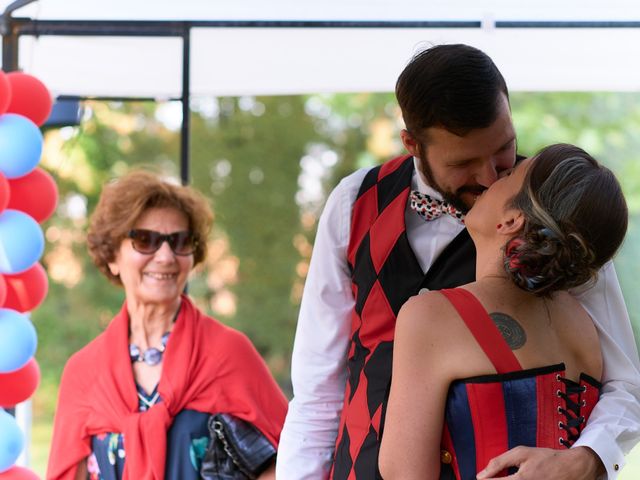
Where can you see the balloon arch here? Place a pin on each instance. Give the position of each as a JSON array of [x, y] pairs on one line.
[[28, 197]]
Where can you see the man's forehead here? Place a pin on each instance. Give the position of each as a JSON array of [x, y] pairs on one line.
[[452, 148]]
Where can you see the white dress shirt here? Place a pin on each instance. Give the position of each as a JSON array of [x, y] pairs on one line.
[[319, 361]]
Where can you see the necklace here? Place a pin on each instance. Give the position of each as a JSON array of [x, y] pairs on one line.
[[151, 356]]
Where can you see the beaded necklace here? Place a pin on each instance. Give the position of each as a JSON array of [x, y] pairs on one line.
[[151, 356]]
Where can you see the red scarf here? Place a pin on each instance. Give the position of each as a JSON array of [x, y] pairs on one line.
[[207, 367]]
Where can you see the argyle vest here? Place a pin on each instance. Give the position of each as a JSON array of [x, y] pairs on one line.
[[385, 273]]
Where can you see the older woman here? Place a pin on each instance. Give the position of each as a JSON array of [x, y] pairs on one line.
[[512, 359], [136, 402]]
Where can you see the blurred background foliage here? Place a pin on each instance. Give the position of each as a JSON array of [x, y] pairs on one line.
[[267, 165]]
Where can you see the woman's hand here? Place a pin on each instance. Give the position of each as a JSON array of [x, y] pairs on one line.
[[269, 473], [81, 472]]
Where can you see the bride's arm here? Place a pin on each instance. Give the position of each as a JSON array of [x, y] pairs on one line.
[[420, 380]]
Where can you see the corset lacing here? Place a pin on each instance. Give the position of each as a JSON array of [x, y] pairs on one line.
[[574, 420]]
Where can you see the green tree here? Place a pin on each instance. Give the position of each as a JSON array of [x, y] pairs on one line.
[[247, 158]]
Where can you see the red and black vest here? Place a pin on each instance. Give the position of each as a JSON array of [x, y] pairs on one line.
[[385, 273]]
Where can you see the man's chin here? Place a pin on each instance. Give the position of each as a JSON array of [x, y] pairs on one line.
[[463, 201], [466, 200]]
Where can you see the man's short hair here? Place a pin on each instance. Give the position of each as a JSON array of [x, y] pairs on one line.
[[455, 87]]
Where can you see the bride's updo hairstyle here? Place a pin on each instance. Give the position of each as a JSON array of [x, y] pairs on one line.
[[575, 221]]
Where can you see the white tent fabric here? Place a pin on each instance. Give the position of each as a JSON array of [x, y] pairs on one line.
[[248, 61], [330, 9]]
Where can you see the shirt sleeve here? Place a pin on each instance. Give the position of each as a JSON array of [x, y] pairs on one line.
[[318, 366], [614, 425]]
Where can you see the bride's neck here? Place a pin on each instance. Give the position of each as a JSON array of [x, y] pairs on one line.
[[490, 264]]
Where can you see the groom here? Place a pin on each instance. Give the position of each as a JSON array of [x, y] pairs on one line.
[[370, 255]]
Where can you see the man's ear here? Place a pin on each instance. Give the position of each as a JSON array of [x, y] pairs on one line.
[[512, 222], [410, 143]]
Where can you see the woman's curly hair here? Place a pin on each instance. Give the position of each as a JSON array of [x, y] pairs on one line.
[[575, 221], [123, 201]]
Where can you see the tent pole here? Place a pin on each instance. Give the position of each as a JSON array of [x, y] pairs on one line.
[[186, 94], [9, 49], [10, 36]]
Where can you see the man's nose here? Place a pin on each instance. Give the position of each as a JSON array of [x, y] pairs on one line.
[[487, 174]]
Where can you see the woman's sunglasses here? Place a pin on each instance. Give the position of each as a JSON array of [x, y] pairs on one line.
[[150, 241]]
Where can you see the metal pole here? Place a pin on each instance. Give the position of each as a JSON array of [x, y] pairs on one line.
[[160, 28], [186, 93], [9, 49], [185, 130], [24, 419], [10, 36]]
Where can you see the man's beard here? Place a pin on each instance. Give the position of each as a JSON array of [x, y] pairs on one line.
[[454, 198]]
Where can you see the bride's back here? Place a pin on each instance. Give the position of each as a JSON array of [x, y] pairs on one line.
[[543, 331]]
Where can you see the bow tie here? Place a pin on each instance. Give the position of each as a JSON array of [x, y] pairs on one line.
[[431, 208]]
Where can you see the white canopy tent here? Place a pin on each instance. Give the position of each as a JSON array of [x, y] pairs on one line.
[[317, 53]]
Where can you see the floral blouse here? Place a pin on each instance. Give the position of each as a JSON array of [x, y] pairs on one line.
[[187, 441]]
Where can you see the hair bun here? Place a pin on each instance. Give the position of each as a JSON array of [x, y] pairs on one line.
[[542, 261], [575, 218]]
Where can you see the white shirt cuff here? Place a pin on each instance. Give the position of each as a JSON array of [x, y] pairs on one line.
[[606, 447]]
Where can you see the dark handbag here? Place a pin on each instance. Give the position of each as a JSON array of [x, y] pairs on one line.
[[237, 451]]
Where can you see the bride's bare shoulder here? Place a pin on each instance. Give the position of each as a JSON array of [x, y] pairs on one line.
[[424, 311]]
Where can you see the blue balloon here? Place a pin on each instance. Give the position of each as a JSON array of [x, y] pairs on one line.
[[18, 340], [21, 241], [11, 441], [20, 145]]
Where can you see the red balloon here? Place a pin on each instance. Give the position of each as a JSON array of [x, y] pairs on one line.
[[35, 194], [3, 290], [18, 386], [26, 290], [29, 97], [5, 192], [5, 92], [18, 473]]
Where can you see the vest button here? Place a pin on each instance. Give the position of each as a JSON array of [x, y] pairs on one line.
[[445, 457]]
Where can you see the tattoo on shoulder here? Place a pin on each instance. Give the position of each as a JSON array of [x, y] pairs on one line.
[[511, 330]]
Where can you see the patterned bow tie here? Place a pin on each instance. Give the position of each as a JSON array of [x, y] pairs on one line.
[[431, 208]]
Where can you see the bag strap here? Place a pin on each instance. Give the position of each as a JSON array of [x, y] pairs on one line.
[[483, 329]]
